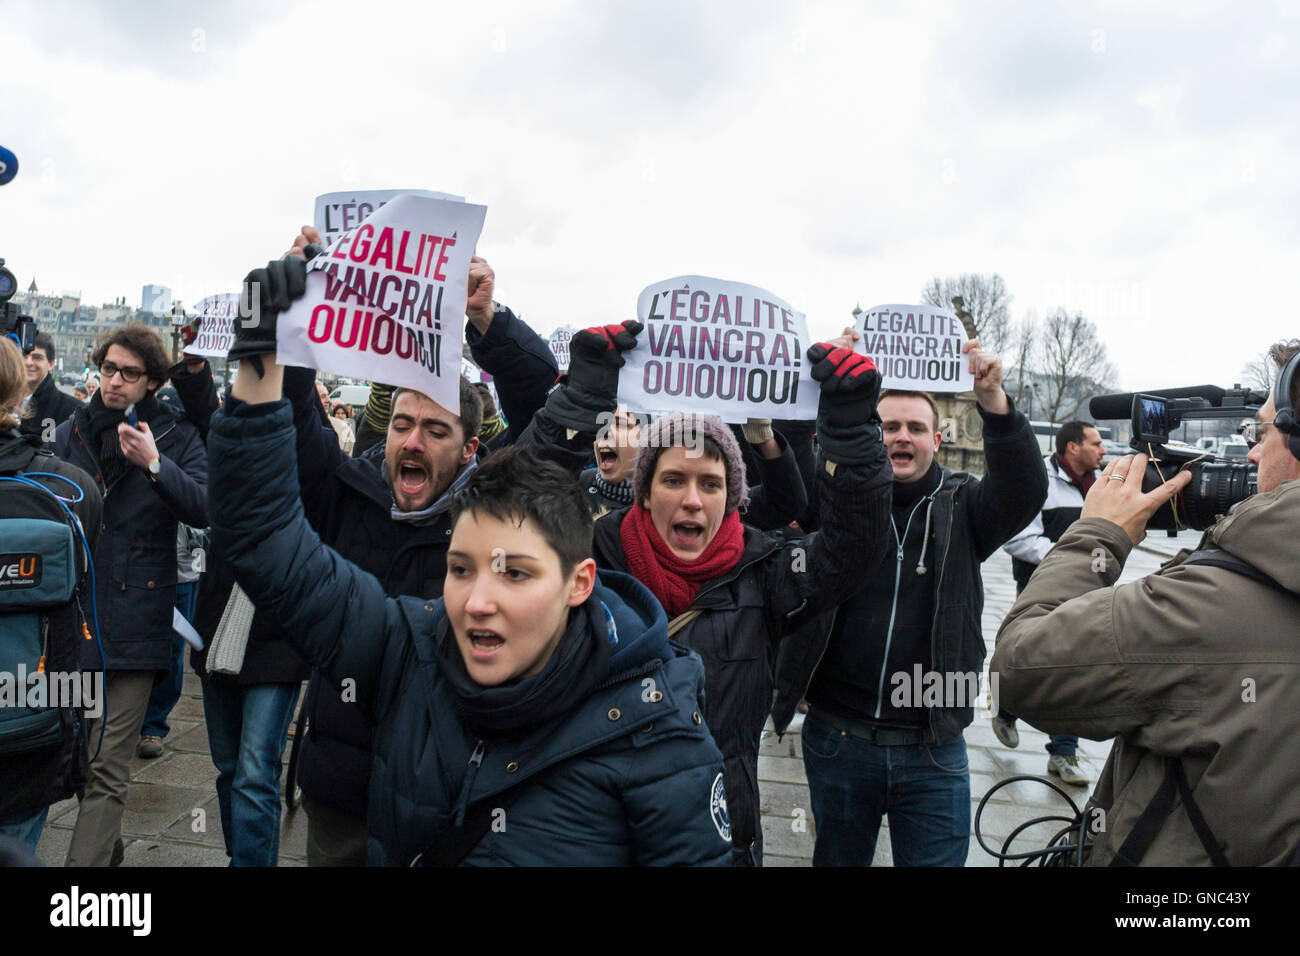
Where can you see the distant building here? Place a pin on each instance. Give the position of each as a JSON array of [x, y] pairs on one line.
[[156, 299]]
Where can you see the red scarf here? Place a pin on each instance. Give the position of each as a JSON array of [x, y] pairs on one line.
[[1082, 482], [673, 581]]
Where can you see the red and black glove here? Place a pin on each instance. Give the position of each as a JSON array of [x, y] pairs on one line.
[[850, 385], [591, 385], [596, 355]]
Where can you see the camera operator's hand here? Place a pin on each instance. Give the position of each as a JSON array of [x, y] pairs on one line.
[[1117, 495], [265, 294], [987, 369]]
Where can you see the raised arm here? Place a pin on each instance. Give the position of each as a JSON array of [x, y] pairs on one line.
[[855, 490]]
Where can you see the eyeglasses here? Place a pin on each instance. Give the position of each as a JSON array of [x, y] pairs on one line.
[[129, 375], [1253, 432]]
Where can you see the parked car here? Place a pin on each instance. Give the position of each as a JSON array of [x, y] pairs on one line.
[[354, 395]]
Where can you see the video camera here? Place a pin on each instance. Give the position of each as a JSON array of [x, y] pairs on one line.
[[1217, 484], [20, 328]]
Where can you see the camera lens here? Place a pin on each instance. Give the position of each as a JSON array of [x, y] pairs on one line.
[[1215, 487]]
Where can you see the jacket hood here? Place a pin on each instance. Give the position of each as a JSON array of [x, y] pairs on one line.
[[639, 623], [1256, 531], [16, 452]]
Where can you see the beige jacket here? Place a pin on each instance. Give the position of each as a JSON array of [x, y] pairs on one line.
[[1195, 662]]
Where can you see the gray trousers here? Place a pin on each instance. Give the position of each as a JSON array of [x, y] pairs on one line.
[[99, 821]]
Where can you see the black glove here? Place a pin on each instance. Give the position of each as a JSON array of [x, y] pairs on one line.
[[847, 424], [591, 385], [265, 294]]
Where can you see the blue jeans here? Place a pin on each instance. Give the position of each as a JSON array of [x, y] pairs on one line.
[[853, 783], [1063, 744], [168, 692], [26, 831], [247, 729]]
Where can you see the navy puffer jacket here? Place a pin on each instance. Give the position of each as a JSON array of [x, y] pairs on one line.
[[135, 561], [629, 776]]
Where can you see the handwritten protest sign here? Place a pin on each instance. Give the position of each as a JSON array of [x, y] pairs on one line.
[[336, 213], [724, 348], [386, 300], [916, 347], [216, 335], [559, 343]]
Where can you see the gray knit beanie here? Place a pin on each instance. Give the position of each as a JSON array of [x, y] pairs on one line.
[[688, 430]]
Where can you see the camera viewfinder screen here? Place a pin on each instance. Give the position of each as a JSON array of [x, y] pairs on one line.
[[1153, 423]]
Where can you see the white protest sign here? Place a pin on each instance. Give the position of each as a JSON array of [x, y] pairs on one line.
[[386, 301], [336, 213], [217, 330], [916, 347], [559, 343], [723, 348]]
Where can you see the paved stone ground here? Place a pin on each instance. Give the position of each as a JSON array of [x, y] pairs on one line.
[[172, 818]]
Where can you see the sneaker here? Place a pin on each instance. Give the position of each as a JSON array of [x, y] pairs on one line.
[[149, 748], [1068, 769], [1005, 731]]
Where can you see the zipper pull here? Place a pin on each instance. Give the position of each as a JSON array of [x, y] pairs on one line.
[[899, 559], [462, 804]]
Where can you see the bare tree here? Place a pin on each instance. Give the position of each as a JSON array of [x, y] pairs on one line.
[[1259, 372], [984, 296], [1074, 364], [1023, 348]]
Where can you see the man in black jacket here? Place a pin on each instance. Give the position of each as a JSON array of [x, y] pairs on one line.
[[48, 407], [387, 514], [152, 471], [899, 677]]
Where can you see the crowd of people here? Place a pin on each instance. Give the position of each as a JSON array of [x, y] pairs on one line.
[[539, 629]]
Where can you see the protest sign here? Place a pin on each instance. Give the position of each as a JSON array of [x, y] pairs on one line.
[[336, 213], [723, 348], [559, 343], [916, 347], [216, 335], [386, 301]]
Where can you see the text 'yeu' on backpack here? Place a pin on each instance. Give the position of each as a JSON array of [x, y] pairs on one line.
[[42, 561]]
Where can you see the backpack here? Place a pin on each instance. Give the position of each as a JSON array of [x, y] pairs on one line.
[[43, 560]]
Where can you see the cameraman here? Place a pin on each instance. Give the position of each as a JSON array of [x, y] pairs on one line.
[[1193, 668]]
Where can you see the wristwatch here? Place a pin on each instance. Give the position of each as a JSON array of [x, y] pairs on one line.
[[155, 466]]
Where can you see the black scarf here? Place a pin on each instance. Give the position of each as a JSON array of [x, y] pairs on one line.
[[620, 493], [578, 664], [103, 422]]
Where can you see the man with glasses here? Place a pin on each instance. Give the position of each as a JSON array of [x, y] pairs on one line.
[[46, 405], [1192, 668], [151, 468]]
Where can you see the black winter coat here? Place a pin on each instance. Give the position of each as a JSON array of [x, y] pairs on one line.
[[971, 519], [38, 778], [623, 777], [779, 584], [348, 503], [50, 407], [135, 562]]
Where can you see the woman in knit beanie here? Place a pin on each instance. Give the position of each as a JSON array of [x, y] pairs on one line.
[[685, 527], [733, 593]]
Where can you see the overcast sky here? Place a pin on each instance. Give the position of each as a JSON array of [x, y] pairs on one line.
[[1133, 161]]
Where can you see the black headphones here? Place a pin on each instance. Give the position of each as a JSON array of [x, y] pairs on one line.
[[1285, 419]]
